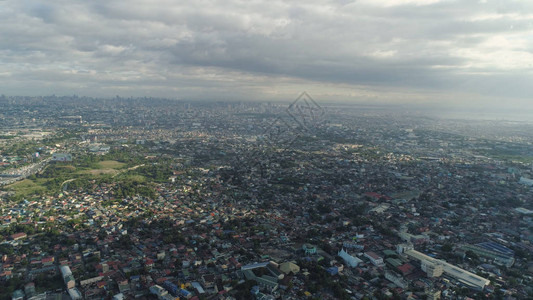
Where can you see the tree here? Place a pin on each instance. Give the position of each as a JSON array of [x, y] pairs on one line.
[[471, 254], [447, 247], [6, 249], [125, 241]]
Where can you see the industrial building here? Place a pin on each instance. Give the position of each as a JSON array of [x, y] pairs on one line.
[[500, 254], [434, 266], [68, 278]]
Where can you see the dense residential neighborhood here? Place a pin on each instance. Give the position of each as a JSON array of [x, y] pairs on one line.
[[142, 198]]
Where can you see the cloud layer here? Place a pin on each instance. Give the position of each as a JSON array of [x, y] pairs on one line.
[[395, 50]]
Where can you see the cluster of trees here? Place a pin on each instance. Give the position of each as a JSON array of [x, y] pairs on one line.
[[173, 236], [155, 172], [47, 283], [125, 241], [88, 161], [321, 280], [130, 158], [16, 228], [9, 286], [131, 187], [244, 290], [20, 148], [86, 182], [6, 249]]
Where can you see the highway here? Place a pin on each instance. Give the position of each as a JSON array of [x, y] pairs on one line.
[[14, 175]]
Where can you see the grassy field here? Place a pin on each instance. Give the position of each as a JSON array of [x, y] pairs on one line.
[[110, 167], [110, 164], [27, 187], [97, 172], [136, 178]]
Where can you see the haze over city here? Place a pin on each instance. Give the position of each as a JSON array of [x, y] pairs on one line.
[[451, 53], [267, 150]]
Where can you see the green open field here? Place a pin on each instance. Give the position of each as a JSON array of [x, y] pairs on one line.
[[27, 187], [55, 176], [110, 167], [134, 178], [111, 164]]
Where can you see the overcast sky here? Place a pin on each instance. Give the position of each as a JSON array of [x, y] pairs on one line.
[[362, 50]]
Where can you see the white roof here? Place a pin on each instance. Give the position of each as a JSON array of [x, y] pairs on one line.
[[65, 270], [74, 294], [462, 275]]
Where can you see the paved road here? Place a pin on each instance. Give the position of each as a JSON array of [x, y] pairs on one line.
[[25, 172]]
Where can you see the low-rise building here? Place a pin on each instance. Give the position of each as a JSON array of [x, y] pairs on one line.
[[375, 259]]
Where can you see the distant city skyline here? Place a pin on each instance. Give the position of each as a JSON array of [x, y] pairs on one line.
[[450, 53]]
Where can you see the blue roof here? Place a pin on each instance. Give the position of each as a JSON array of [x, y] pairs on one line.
[[496, 247], [170, 285], [253, 266]]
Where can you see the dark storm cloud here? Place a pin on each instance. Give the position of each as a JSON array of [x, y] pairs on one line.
[[260, 48]]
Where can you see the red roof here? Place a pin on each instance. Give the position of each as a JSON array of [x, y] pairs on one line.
[[406, 269], [377, 196], [373, 255], [161, 280], [18, 235], [48, 259]]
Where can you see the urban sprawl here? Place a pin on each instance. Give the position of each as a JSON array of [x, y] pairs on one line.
[[147, 198]]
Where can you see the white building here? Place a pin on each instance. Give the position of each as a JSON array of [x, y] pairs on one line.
[[526, 181], [401, 248], [432, 268], [158, 291], [375, 259], [65, 271], [348, 259], [74, 294], [63, 157], [118, 296], [68, 278], [450, 270]]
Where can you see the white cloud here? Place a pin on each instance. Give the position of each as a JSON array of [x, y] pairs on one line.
[[389, 3]]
